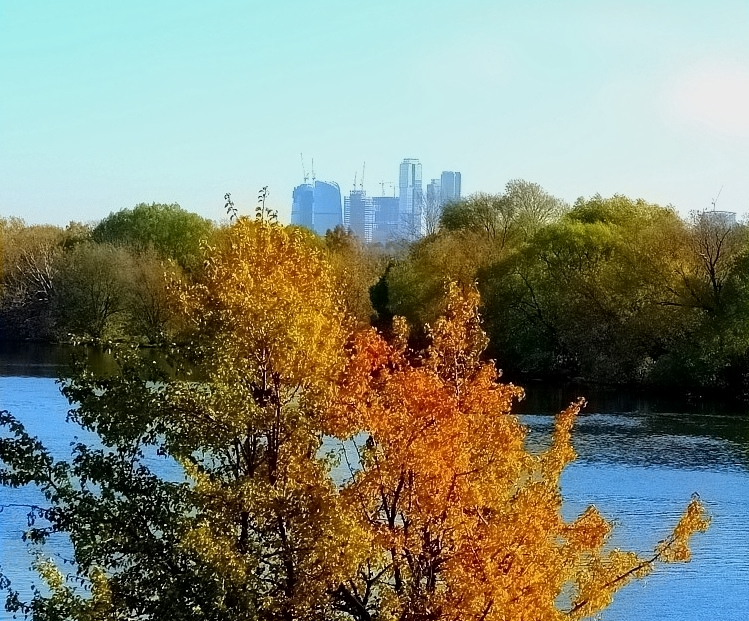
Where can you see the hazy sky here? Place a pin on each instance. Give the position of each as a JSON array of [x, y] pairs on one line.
[[104, 105]]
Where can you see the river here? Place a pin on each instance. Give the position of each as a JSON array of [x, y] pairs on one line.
[[640, 461]]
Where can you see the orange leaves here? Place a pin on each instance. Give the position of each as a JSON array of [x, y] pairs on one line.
[[675, 549], [589, 531], [465, 522]]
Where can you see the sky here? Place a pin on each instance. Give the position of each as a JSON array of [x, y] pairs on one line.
[[106, 105]]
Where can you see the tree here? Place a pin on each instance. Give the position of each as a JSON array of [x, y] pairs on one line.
[[168, 229], [258, 532], [30, 256], [504, 219], [590, 294], [465, 523], [91, 286], [270, 332], [356, 268], [709, 291], [447, 517], [149, 312]]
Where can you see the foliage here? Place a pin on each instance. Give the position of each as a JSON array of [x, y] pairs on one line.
[[270, 335], [168, 229], [29, 261], [91, 285], [150, 313], [593, 294], [356, 267], [465, 522], [446, 514]]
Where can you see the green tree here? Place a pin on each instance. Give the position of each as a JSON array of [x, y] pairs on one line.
[[591, 294], [91, 288], [168, 229]]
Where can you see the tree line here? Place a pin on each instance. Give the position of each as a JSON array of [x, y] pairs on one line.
[[605, 290], [442, 512]]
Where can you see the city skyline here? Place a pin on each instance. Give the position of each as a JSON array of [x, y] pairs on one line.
[[408, 214], [107, 106]]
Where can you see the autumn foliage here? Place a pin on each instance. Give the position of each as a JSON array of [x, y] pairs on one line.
[[445, 513], [466, 522]]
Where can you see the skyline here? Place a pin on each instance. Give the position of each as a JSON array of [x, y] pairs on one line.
[[107, 106]]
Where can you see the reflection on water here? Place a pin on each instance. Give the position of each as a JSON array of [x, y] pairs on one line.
[[689, 441], [640, 466]]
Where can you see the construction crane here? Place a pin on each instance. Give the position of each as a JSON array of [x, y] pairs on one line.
[[304, 170], [361, 184], [389, 184]]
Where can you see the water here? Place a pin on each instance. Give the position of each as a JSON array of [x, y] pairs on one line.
[[638, 465]]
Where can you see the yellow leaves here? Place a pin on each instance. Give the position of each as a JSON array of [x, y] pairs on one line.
[[561, 451], [675, 549], [590, 531], [457, 340], [602, 577], [268, 298], [63, 600], [603, 574]]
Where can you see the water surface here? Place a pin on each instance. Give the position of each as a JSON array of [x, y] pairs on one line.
[[639, 462]]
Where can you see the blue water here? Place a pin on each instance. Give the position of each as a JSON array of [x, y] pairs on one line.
[[639, 469]]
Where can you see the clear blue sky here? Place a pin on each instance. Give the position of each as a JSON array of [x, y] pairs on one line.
[[104, 105]]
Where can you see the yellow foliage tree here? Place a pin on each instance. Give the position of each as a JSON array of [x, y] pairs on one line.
[[465, 522], [447, 517], [269, 338]]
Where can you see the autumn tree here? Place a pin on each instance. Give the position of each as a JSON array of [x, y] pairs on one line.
[[269, 332], [446, 515], [256, 530], [465, 522]]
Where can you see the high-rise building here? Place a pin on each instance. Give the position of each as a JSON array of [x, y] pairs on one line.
[[449, 186], [328, 211], [410, 198], [317, 206], [434, 192], [359, 214], [387, 225], [303, 198]]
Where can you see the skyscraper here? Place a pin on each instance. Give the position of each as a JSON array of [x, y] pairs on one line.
[[449, 186], [434, 192], [303, 198], [359, 214], [387, 226], [411, 198], [317, 206], [327, 211]]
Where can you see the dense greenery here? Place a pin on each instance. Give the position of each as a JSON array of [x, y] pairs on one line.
[[444, 513], [608, 289]]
